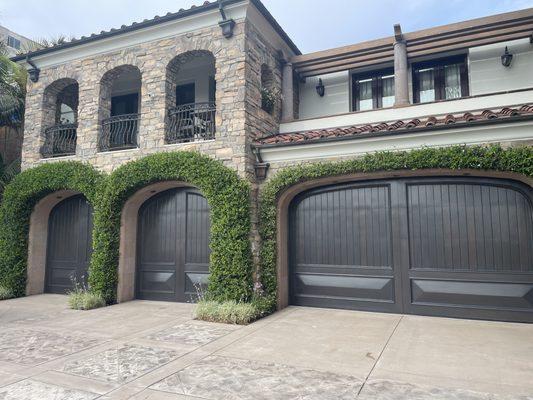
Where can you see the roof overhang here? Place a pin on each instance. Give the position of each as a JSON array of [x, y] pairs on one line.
[[480, 133], [442, 39], [172, 24]]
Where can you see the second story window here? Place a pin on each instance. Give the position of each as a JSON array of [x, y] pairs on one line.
[[13, 42], [444, 79], [373, 90]]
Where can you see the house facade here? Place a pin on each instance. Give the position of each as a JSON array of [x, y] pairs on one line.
[[330, 226]]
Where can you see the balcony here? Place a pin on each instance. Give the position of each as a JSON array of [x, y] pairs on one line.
[[60, 140], [191, 122], [119, 132]]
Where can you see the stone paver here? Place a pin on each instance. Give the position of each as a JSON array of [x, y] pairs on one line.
[[154, 351], [192, 333], [390, 390], [226, 378], [29, 390], [122, 364], [32, 347]]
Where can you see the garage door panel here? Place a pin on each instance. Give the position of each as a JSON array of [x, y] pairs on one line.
[[340, 286], [511, 296], [461, 247], [344, 227], [69, 246], [173, 256], [468, 227]]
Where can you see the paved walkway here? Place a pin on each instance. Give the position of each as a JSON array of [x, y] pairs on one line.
[[155, 351]]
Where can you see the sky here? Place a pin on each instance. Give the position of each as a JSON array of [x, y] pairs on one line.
[[312, 24]]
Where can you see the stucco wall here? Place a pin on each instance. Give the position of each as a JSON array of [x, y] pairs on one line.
[[487, 74], [336, 99]]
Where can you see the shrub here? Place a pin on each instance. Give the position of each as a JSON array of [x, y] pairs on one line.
[[228, 312], [5, 293], [85, 300], [517, 159]]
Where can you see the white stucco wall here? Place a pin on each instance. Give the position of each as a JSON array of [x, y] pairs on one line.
[[488, 75], [335, 101]]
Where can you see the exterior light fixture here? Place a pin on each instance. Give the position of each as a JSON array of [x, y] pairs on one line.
[[320, 89], [261, 170], [507, 58]]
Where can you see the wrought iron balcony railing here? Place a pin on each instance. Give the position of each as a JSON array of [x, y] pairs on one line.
[[60, 140], [119, 132], [191, 122]]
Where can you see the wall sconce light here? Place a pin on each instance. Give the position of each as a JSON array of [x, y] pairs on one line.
[[507, 58], [320, 89]]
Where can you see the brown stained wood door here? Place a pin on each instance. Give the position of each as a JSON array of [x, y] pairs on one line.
[[69, 245], [459, 247], [173, 246]]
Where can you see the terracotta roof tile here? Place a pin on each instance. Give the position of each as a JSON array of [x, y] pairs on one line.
[[400, 126]]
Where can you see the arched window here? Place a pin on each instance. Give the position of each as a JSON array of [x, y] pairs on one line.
[[190, 97], [120, 108], [60, 118]]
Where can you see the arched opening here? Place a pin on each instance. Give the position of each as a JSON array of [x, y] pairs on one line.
[[60, 118], [190, 97], [431, 242], [164, 243], [59, 245], [269, 94], [120, 108]]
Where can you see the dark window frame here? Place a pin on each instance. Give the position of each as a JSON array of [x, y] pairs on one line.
[[438, 66], [13, 42], [377, 87]]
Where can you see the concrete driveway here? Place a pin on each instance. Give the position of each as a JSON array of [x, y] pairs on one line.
[[152, 350]]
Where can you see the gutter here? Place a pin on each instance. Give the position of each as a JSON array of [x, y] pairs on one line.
[[495, 121], [155, 21]]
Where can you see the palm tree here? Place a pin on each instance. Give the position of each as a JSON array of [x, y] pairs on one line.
[[12, 90]]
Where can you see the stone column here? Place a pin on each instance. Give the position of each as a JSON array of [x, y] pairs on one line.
[[287, 91], [401, 80]]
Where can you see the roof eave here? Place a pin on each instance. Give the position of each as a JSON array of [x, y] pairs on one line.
[[155, 21], [521, 118]]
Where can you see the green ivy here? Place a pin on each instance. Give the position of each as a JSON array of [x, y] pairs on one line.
[[228, 198], [517, 159], [20, 196]]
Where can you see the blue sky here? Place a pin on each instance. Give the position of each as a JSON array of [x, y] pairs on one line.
[[312, 24]]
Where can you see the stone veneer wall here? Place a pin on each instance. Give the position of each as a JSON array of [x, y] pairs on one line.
[[239, 118], [152, 59], [259, 122]]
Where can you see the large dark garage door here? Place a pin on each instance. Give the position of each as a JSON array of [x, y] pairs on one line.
[[69, 244], [173, 261], [449, 246]]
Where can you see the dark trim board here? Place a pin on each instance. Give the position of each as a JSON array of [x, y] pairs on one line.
[[452, 246]]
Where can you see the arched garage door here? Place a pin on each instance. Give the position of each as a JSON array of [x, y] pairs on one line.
[[173, 247], [458, 247], [69, 244]]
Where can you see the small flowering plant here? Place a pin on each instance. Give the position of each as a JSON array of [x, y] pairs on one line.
[[269, 98]]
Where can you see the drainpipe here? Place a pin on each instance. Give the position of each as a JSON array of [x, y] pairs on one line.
[[287, 93], [226, 24], [401, 81], [34, 71]]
